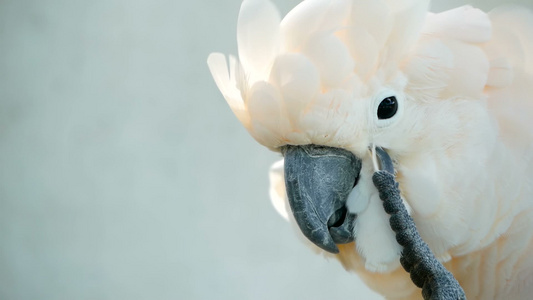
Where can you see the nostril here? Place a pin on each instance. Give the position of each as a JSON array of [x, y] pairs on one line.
[[337, 219]]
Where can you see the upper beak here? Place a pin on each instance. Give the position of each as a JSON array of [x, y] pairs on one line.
[[318, 180]]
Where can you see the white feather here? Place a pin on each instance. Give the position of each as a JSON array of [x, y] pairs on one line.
[[500, 73], [312, 17], [277, 192], [513, 31], [469, 73], [463, 23], [366, 31], [363, 47], [258, 37], [429, 68], [267, 114], [375, 239], [409, 17], [298, 80], [228, 86], [331, 58], [375, 17]]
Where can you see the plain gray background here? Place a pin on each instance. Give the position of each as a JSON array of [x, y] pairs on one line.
[[124, 174]]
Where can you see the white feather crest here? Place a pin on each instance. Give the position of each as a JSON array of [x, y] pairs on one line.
[[321, 49]]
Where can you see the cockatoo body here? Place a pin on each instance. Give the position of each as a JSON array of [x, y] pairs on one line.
[[448, 95]]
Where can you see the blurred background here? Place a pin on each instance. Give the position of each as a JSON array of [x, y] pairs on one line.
[[124, 174]]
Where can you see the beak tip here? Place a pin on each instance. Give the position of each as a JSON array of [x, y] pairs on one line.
[[334, 251], [330, 247]]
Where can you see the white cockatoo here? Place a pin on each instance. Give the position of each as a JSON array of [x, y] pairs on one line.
[[449, 96]]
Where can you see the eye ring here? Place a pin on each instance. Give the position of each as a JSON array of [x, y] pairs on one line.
[[388, 107]]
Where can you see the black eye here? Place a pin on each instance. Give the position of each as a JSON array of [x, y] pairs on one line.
[[387, 108]]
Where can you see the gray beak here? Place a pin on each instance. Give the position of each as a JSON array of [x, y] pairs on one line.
[[318, 180]]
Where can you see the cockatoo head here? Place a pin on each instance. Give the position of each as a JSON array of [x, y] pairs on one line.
[[327, 83], [328, 74]]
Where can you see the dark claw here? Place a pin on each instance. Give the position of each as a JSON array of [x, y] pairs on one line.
[[385, 160]]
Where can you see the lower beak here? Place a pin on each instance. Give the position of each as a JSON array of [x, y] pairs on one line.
[[318, 180]]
